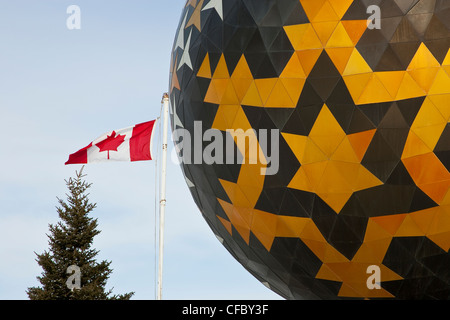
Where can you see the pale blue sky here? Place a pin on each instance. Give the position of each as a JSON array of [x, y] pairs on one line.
[[59, 90]]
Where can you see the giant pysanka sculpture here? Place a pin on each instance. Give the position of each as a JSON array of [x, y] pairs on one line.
[[357, 203]]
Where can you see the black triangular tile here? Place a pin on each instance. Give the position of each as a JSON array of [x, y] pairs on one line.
[[389, 61], [405, 51], [409, 108], [405, 32], [294, 125], [393, 118], [421, 201], [375, 112], [389, 8], [359, 122], [279, 116], [400, 176], [436, 29], [292, 12], [356, 11], [439, 48], [272, 18]]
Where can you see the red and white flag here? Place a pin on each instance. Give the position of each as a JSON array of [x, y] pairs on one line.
[[128, 144]]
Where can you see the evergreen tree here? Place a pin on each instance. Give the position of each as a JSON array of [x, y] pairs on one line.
[[70, 242]]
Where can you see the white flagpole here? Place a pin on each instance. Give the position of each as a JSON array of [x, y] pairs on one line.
[[162, 201]]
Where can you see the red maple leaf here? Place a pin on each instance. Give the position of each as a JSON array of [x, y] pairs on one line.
[[111, 143]]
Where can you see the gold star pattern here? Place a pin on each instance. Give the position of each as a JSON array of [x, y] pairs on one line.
[[330, 163]]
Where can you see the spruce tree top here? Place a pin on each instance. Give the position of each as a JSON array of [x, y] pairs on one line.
[[70, 248]]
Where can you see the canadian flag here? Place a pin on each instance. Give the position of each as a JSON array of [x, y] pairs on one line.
[[127, 144]]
